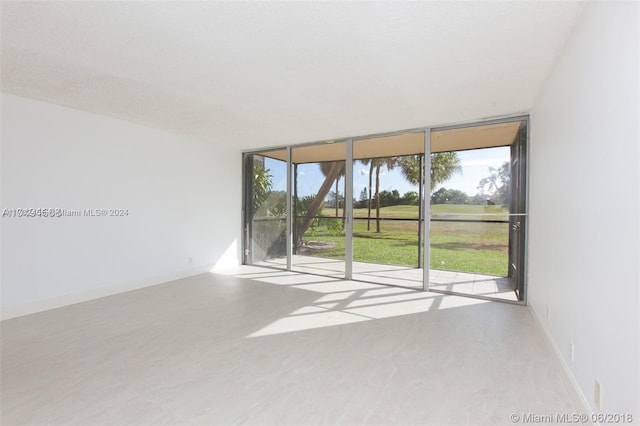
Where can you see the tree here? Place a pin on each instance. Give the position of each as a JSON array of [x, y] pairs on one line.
[[389, 198], [410, 198], [478, 200], [335, 199], [376, 164], [262, 184], [303, 204], [369, 162], [410, 167], [497, 185], [443, 166], [332, 173], [446, 165], [277, 203], [390, 163], [324, 168], [449, 196], [364, 195]]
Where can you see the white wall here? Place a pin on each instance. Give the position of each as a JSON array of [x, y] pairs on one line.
[[182, 195], [584, 213]]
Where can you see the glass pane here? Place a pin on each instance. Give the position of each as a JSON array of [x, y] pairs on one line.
[[318, 210], [469, 235], [386, 227], [266, 209]]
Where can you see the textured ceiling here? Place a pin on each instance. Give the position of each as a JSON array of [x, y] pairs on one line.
[[260, 74]]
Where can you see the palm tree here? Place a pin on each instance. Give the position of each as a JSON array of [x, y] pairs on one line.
[[390, 163], [324, 168], [443, 166], [369, 162], [376, 164]]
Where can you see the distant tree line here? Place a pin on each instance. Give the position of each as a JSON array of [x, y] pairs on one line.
[[493, 189], [455, 196], [389, 198]]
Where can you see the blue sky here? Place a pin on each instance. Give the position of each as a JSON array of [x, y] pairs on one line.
[[475, 166]]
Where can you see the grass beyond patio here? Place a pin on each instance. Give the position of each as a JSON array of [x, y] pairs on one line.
[[455, 246]]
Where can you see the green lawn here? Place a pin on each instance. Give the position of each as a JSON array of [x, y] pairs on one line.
[[455, 246], [411, 212]]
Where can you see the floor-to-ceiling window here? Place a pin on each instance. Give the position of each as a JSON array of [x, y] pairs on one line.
[[265, 205], [318, 209], [387, 231], [476, 199], [358, 209]]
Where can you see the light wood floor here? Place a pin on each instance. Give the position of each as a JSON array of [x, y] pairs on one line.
[[259, 346], [464, 283]]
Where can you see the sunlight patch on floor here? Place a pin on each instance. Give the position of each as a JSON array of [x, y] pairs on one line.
[[347, 302]]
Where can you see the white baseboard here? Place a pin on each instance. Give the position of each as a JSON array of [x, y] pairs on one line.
[[576, 394], [58, 302]]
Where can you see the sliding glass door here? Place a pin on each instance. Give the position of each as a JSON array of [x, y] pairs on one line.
[[265, 204], [318, 202], [477, 211], [518, 211], [387, 185], [437, 209]]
